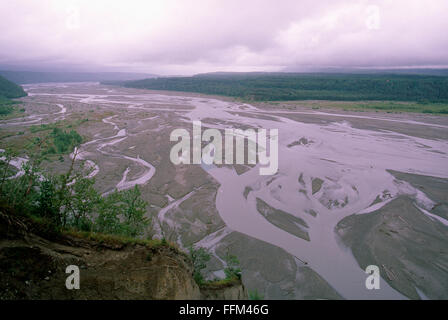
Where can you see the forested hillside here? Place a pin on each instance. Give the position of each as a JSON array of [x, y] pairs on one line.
[[294, 86], [10, 90]]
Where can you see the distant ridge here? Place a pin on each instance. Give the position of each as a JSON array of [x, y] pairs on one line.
[[398, 71], [278, 86], [26, 77]]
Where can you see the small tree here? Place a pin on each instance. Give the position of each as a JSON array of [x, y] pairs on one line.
[[199, 257], [133, 209], [46, 204], [83, 201], [5, 161], [123, 213], [107, 220], [232, 270]]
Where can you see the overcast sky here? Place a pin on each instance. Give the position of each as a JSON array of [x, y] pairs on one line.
[[187, 37]]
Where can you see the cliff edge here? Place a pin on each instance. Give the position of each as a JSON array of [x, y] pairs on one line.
[[34, 258]]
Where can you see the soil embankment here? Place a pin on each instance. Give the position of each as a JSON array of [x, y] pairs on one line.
[[33, 260]]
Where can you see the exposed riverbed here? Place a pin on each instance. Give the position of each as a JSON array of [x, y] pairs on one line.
[[327, 171]]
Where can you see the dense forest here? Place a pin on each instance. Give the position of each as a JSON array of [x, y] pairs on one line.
[[8, 90], [317, 86]]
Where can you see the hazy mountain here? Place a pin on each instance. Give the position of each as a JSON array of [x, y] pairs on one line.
[[24, 77], [405, 71]]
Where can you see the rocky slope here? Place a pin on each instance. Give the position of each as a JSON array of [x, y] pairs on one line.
[[33, 261]]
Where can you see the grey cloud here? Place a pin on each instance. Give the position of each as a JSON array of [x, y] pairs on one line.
[[197, 36]]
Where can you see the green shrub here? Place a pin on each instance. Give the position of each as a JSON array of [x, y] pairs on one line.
[[70, 200], [254, 295], [232, 270], [5, 110], [199, 257], [65, 141]]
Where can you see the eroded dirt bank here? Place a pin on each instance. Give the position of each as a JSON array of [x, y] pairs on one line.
[[33, 261]]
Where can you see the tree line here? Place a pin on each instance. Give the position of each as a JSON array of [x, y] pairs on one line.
[[293, 86]]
